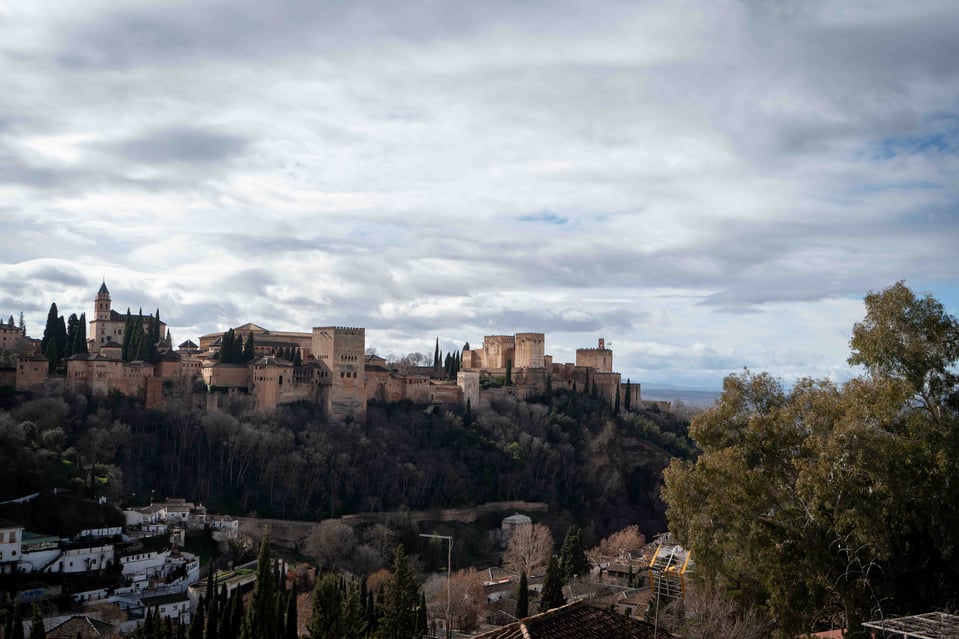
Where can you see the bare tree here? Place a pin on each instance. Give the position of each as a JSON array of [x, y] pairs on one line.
[[619, 543], [332, 544], [467, 598], [529, 549], [707, 613]]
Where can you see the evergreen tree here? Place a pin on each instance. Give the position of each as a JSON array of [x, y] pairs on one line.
[[436, 354], [354, 623], [155, 338], [326, 621], [572, 556], [16, 628], [259, 622], [22, 325], [248, 350], [468, 413], [290, 629], [522, 597], [127, 336], [72, 326], [51, 356], [36, 627], [627, 400], [400, 601], [80, 343], [509, 372], [448, 365], [237, 357], [552, 596], [50, 330], [586, 381], [422, 621], [297, 358], [616, 402], [144, 347], [10, 322], [226, 347]]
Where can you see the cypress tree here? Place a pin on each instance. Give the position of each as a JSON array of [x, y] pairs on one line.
[[354, 624], [80, 344], [22, 325], [522, 597], [586, 382], [144, 347], [72, 326], [627, 400], [327, 609], [616, 402], [237, 357], [290, 630], [226, 347], [422, 622], [400, 601], [51, 355], [61, 337], [572, 557], [249, 352], [259, 620], [10, 322], [36, 627], [297, 358], [509, 372], [552, 596], [16, 628], [468, 413], [50, 330], [127, 336], [436, 354]]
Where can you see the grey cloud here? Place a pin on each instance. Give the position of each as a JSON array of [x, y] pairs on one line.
[[57, 275], [181, 145]]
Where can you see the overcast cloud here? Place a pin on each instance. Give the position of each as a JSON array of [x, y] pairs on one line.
[[707, 184]]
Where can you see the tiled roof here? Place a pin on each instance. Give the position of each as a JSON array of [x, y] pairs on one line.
[[577, 620], [188, 344], [80, 626], [103, 289]]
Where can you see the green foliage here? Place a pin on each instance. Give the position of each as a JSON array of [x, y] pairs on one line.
[[823, 502], [509, 372], [36, 626], [572, 555], [260, 621], [249, 351], [401, 600], [522, 597], [552, 595]]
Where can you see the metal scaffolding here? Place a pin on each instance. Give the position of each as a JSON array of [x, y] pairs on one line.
[[931, 625], [667, 571]]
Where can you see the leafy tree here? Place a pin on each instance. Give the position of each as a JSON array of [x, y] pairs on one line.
[[821, 502], [552, 596], [401, 599], [522, 597], [572, 556]]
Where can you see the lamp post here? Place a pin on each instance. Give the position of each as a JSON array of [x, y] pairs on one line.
[[449, 573]]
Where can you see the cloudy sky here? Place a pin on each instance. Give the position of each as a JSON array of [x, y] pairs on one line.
[[708, 184]]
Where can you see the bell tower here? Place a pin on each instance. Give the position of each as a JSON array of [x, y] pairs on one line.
[[103, 304]]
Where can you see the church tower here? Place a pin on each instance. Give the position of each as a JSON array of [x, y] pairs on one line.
[[103, 304]]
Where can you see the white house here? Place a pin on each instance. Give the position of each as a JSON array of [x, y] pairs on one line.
[[11, 534]]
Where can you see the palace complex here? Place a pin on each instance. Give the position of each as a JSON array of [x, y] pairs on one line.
[[328, 366]]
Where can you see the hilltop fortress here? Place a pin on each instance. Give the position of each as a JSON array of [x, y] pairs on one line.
[[331, 368]]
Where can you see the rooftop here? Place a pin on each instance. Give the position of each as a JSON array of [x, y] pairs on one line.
[[577, 620]]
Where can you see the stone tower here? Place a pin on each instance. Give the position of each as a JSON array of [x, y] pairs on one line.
[[342, 350], [102, 311]]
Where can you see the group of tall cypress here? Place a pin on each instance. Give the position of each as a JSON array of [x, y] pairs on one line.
[[61, 339], [449, 365], [140, 342]]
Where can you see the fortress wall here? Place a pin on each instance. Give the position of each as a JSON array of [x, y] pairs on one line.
[[342, 349], [468, 381], [497, 349], [599, 359]]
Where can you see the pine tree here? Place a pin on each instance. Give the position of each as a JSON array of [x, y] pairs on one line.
[[552, 596], [627, 400], [249, 352], [522, 597]]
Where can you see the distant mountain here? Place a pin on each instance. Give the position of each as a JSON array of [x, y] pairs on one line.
[[697, 398]]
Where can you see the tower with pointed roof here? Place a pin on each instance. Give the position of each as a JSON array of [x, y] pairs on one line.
[[102, 311]]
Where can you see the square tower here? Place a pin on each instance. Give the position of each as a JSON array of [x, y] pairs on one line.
[[342, 349], [530, 350]]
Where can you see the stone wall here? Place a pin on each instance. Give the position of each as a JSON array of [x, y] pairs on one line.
[[530, 350]]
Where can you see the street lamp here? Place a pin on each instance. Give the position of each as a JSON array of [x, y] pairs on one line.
[[449, 573]]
